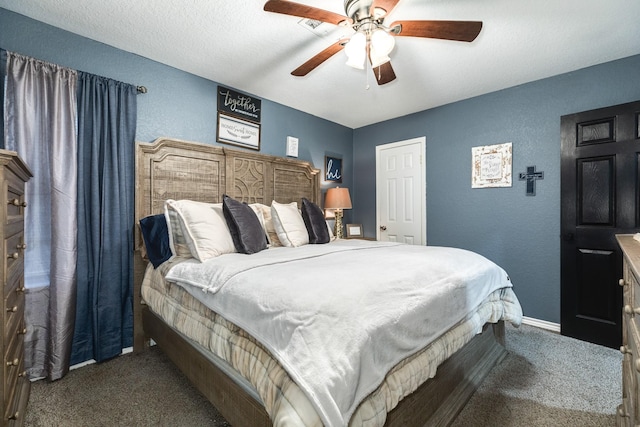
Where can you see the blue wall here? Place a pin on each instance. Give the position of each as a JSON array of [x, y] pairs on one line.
[[178, 104], [520, 233]]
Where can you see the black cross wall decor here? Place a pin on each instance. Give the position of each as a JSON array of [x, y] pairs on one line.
[[531, 176]]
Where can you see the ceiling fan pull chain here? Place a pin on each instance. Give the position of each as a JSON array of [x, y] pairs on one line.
[[366, 73]]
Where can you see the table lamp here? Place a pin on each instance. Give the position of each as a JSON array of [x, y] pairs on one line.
[[338, 199]]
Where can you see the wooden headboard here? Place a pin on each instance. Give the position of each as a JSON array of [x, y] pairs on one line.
[[173, 169]]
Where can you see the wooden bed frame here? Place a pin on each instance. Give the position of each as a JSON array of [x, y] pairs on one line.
[[174, 169]]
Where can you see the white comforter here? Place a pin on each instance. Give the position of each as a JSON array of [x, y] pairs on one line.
[[339, 316]]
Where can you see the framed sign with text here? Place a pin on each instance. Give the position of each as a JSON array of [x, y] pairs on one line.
[[491, 166], [243, 106], [232, 130]]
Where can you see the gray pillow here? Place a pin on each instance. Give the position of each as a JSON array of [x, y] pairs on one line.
[[246, 231], [314, 221]]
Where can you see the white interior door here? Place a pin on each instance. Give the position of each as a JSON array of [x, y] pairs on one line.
[[401, 197]]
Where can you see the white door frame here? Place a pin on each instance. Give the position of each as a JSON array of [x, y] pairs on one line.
[[422, 140]]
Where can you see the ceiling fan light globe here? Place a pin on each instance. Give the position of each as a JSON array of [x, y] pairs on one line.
[[356, 61], [382, 42], [357, 43], [355, 50]]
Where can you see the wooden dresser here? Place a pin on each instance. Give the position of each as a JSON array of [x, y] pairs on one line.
[[14, 392], [628, 413]]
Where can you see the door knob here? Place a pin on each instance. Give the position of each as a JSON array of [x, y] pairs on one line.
[[383, 227]]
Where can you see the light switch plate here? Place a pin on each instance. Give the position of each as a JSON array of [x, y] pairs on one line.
[[292, 146]]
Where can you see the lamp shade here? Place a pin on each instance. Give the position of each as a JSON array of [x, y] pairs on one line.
[[337, 198]]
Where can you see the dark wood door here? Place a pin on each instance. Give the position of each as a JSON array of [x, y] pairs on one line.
[[599, 189]]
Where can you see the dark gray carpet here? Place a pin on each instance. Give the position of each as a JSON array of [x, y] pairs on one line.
[[546, 380]]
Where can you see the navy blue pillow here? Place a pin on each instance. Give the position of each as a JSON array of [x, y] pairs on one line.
[[315, 222], [156, 239], [246, 231]]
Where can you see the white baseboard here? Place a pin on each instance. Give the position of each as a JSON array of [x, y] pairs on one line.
[[92, 361], [542, 324], [85, 363]]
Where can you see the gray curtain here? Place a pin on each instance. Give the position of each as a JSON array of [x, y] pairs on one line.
[[40, 124], [3, 75], [106, 139]]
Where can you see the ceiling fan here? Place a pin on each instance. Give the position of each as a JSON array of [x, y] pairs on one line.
[[372, 39]]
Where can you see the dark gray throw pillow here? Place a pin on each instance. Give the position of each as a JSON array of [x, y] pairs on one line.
[[246, 231], [155, 234], [314, 221]]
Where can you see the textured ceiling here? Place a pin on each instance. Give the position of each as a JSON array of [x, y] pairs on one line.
[[236, 43]]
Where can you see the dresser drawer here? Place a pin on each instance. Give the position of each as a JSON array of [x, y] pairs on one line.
[[16, 411], [14, 260], [14, 315], [631, 370], [14, 204], [12, 393], [13, 367]]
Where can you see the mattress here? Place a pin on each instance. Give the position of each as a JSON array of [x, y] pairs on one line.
[[284, 401]]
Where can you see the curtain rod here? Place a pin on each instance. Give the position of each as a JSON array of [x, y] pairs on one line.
[[141, 89]]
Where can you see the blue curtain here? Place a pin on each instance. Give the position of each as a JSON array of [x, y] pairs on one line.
[[106, 136]]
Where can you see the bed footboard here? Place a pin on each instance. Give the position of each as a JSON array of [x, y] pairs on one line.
[[438, 401], [234, 403]]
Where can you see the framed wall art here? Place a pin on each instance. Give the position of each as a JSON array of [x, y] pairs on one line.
[[232, 130], [491, 166], [332, 169]]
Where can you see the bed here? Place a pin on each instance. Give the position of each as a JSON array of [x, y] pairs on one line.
[[244, 377]]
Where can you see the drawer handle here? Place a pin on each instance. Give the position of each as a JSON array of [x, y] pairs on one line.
[[22, 246], [14, 255], [14, 362], [631, 311], [12, 309], [23, 331], [22, 374], [20, 289], [621, 282], [14, 416], [16, 202], [625, 350], [622, 412]]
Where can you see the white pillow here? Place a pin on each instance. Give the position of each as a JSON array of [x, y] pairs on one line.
[[289, 224], [203, 226], [264, 215], [177, 240]]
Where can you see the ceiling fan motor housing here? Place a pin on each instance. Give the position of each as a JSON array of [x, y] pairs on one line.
[[358, 9]]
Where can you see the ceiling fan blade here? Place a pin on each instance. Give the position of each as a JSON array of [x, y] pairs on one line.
[[384, 73], [387, 5], [464, 31], [311, 64], [296, 9]]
